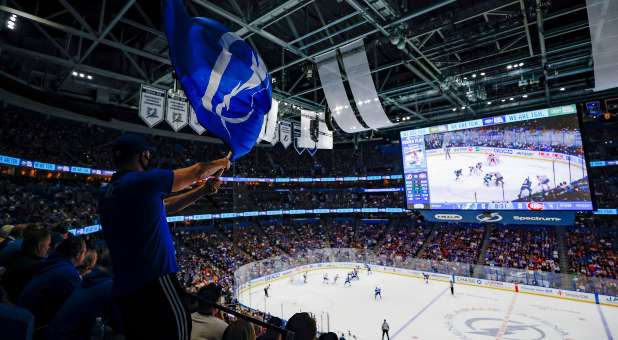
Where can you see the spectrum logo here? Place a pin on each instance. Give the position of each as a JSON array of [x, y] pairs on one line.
[[536, 206]]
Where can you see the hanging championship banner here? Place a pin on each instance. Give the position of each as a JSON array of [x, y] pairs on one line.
[[151, 104], [308, 130], [177, 113], [296, 135], [285, 133], [193, 123], [269, 127], [325, 140]]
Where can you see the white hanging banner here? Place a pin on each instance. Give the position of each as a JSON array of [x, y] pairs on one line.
[[309, 132], [296, 136], [194, 123], [177, 113], [334, 91], [151, 104], [325, 140], [361, 83], [603, 23], [285, 133], [269, 126]]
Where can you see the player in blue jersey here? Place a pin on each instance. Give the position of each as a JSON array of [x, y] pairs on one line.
[[305, 277], [525, 186], [487, 179], [458, 174], [377, 292], [368, 269], [426, 278], [266, 290], [348, 281]]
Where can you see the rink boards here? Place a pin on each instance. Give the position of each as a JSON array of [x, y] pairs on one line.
[[459, 280], [479, 309]]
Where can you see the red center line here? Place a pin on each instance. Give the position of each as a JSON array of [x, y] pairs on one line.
[[505, 323]]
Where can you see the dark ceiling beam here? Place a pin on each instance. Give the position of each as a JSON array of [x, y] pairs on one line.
[[85, 35], [279, 12]]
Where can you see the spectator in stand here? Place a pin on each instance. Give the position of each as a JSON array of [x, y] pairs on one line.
[[21, 268], [303, 326], [270, 333], [208, 323], [76, 318], [90, 260], [133, 217], [239, 330], [55, 281], [12, 242]]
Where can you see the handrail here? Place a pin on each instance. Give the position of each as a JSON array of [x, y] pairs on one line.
[[285, 333]]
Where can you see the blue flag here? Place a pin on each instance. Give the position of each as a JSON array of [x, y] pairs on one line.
[[223, 77]]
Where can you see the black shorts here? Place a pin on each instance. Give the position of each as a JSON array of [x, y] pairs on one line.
[[156, 311]]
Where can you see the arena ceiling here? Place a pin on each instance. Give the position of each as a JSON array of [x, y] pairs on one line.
[[432, 60]]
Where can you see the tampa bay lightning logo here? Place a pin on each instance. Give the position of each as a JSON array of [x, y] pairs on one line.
[[489, 218], [219, 83], [494, 327]]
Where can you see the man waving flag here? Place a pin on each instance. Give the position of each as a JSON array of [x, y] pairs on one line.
[[224, 78]]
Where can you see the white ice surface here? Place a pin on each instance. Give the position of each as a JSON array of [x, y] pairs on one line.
[[416, 310], [444, 188]]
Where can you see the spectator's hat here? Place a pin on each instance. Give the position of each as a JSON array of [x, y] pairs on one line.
[[130, 144]]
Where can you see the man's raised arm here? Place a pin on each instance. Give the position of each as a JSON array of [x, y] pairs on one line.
[[186, 176]]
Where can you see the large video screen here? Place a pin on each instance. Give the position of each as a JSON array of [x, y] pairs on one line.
[[524, 161]]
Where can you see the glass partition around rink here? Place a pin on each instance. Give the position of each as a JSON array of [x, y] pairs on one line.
[[256, 274]]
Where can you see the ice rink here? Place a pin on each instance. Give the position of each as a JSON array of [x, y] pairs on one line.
[[416, 310], [445, 189]]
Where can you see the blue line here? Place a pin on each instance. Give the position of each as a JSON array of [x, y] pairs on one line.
[[605, 325], [421, 312]]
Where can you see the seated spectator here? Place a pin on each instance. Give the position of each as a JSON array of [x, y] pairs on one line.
[[239, 330], [22, 267], [77, 316], [303, 326], [16, 323], [55, 281], [207, 321], [90, 260], [272, 334], [12, 242]]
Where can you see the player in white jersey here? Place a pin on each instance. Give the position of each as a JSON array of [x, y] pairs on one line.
[[447, 153], [543, 182], [305, 277], [336, 278], [325, 279]]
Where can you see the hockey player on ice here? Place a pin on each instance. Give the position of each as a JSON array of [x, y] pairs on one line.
[[525, 186], [266, 290], [426, 278], [479, 167], [377, 292], [471, 170], [543, 182], [487, 179], [447, 152], [458, 174], [305, 277], [325, 279], [491, 159], [368, 269], [336, 278], [499, 179], [348, 281]]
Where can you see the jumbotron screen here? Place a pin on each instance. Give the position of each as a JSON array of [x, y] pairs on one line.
[[524, 161]]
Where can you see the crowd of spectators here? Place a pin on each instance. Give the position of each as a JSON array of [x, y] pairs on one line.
[[455, 243], [524, 248], [592, 250], [555, 134]]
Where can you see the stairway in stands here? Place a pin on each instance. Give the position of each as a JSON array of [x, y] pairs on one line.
[[562, 255], [489, 228], [432, 234]]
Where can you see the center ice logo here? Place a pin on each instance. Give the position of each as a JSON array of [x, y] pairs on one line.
[[489, 323]]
